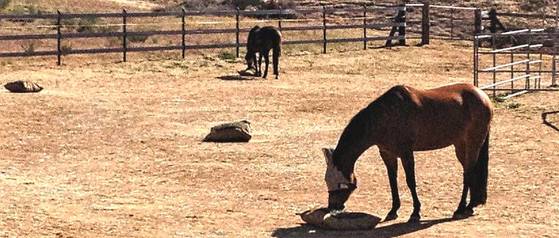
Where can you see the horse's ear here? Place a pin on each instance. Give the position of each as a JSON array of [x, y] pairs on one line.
[[328, 154]]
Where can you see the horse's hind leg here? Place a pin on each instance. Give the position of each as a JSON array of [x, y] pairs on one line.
[[276, 55], [468, 153], [462, 211], [408, 163], [391, 163], [267, 61]]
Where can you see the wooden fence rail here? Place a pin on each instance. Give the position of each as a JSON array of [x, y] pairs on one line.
[[124, 34], [398, 24]]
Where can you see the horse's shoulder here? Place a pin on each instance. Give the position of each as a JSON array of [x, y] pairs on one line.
[[403, 93]]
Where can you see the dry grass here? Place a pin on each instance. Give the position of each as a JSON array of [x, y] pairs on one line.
[[113, 149]]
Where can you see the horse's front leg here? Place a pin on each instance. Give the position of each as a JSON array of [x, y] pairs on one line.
[[391, 163], [259, 66], [409, 167], [267, 61]]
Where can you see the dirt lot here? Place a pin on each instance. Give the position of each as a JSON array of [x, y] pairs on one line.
[[113, 149]]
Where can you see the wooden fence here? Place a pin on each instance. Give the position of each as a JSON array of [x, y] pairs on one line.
[[409, 21], [123, 34]]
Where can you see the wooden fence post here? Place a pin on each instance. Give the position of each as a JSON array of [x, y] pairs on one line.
[[477, 21], [124, 35], [324, 39], [183, 31], [237, 32], [280, 18], [402, 29], [425, 23], [365, 40], [493, 20], [58, 38]]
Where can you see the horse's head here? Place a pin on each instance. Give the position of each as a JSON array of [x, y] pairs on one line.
[[339, 185]]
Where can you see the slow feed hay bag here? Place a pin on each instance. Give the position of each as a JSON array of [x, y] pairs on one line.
[[230, 132], [21, 86], [340, 221], [248, 72]]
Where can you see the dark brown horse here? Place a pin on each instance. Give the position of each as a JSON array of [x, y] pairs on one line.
[[261, 41], [404, 120]]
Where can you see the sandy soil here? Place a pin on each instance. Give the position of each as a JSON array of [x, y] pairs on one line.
[[114, 149]]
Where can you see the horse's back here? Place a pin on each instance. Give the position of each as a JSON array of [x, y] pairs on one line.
[[464, 94], [438, 117], [270, 33]]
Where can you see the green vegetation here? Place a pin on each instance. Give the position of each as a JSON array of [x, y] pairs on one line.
[[227, 56], [137, 38], [4, 4], [29, 47], [87, 24], [66, 49]]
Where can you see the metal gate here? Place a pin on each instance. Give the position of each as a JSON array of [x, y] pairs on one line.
[[516, 62]]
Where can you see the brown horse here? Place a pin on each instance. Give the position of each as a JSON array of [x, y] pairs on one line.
[[261, 41], [404, 120]]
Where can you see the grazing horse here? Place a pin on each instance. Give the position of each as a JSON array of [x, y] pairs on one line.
[[404, 120], [261, 41]]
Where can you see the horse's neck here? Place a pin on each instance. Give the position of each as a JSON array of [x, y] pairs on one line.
[[355, 140], [345, 159]]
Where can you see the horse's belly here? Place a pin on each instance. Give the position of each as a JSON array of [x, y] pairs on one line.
[[430, 146], [437, 136]]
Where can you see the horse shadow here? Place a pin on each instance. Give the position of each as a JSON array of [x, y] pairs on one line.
[[547, 122], [393, 230], [237, 78]]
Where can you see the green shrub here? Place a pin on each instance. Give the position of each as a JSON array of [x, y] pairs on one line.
[[29, 47], [4, 3], [227, 56], [532, 5], [66, 49], [87, 24], [137, 38]]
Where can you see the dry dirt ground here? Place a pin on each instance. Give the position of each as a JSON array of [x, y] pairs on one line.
[[114, 149]]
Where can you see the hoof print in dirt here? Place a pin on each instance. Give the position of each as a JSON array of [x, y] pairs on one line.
[[22, 86], [230, 132], [324, 219]]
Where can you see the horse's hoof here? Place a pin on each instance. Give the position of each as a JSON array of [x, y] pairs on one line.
[[414, 219], [391, 216], [467, 212]]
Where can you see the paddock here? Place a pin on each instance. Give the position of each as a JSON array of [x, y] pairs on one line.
[[114, 149]]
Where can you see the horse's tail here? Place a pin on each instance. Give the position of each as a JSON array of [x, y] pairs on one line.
[[478, 188], [277, 50], [277, 47]]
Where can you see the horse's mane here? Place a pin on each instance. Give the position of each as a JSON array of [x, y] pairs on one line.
[[252, 37], [357, 135]]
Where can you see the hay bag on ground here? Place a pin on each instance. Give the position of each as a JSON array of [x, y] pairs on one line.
[[248, 72], [322, 218], [230, 132], [22, 86]]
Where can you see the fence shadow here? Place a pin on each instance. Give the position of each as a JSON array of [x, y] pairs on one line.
[[393, 230], [547, 122], [237, 77]]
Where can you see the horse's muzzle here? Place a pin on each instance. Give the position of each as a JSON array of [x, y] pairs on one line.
[[337, 198]]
